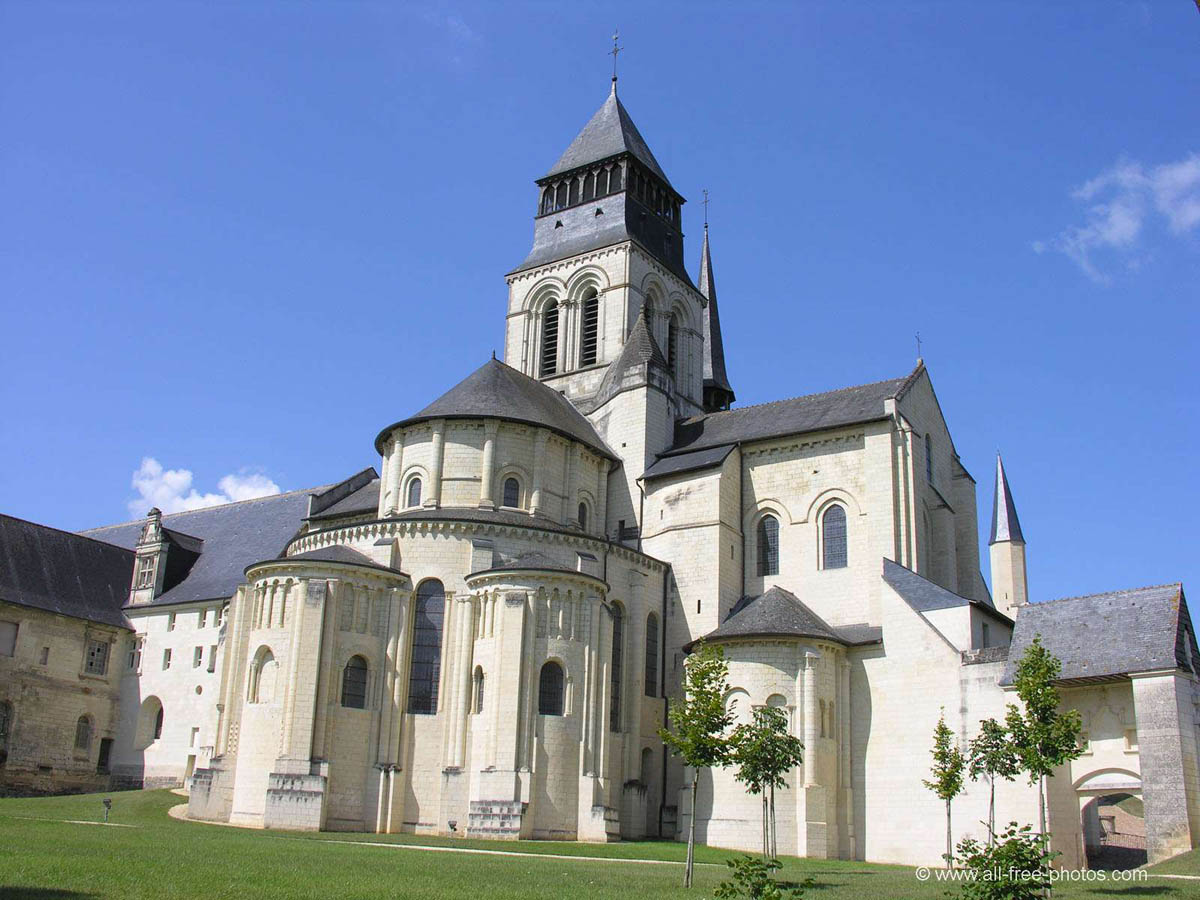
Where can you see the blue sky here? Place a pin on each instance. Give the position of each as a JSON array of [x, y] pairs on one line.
[[238, 239]]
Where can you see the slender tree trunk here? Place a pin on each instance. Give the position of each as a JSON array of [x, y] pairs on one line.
[[949, 840], [765, 833], [691, 851], [992, 812], [774, 833], [1042, 822]]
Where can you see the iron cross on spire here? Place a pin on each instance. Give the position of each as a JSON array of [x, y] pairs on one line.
[[706, 207], [614, 51]]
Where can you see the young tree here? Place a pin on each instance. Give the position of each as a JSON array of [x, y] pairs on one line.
[[1042, 736], [765, 753], [947, 771], [991, 755], [698, 725]]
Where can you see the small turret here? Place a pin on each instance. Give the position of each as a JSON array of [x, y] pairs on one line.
[[1006, 547]]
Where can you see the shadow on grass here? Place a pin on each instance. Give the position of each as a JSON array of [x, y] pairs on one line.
[[1137, 891], [7, 892]]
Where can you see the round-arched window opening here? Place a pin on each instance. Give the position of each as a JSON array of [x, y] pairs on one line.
[[583, 516], [354, 683], [550, 690], [512, 492], [414, 492]]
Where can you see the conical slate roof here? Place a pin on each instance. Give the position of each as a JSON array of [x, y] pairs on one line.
[[609, 133], [776, 613], [640, 350], [1005, 524], [714, 346], [498, 391]]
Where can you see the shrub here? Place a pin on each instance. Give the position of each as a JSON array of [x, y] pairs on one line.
[[752, 879], [1016, 867]]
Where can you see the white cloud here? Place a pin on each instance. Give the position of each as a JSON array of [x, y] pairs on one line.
[[171, 489], [1125, 203]]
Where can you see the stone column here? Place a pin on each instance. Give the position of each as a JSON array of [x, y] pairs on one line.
[[1166, 732], [488, 475], [571, 512], [539, 461], [847, 790], [433, 497], [810, 719], [634, 674], [326, 685], [464, 610], [392, 500], [293, 673]]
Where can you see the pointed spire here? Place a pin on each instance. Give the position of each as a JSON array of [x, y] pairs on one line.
[[718, 393], [1005, 524], [610, 132]]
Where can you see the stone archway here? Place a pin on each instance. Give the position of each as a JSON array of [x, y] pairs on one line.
[[1113, 820]]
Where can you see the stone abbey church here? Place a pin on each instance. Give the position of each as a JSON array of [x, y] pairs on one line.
[[482, 635]]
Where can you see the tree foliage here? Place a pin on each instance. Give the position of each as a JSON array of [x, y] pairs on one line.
[[991, 755], [765, 753], [698, 725], [752, 879], [949, 766], [1015, 867]]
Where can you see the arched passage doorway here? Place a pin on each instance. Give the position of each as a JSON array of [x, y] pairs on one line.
[[1113, 820]]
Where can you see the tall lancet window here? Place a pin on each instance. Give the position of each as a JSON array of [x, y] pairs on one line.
[[768, 546], [426, 665], [928, 459], [833, 538], [550, 339], [673, 345], [618, 637], [590, 335]]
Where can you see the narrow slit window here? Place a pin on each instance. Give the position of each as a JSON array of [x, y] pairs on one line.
[[426, 666]]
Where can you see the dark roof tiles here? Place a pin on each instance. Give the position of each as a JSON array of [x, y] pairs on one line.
[[63, 573], [498, 391], [1111, 634], [234, 535], [610, 132], [779, 613], [814, 412]]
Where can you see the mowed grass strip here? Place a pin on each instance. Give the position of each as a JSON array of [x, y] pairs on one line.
[[45, 859]]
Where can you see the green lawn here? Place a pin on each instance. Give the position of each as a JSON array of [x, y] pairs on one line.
[[45, 859]]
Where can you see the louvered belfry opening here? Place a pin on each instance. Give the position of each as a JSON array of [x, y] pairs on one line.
[[590, 336], [550, 340]]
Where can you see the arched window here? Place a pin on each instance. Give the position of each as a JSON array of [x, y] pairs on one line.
[[583, 516], [414, 492], [928, 459], [602, 182], [647, 767], [83, 733], [6, 720], [547, 204], [652, 655], [550, 690], [158, 723], [590, 331], [426, 666], [673, 344], [512, 492], [768, 545], [550, 339], [478, 686], [589, 186], [614, 710], [262, 677], [614, 179], [573, 197], [354, 683], [560, 195], [833, 538]]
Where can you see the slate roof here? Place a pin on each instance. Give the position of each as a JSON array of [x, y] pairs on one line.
[[1005, 524], [610, 132], [924, 596], [714, 346], [814, 412], [688, 462], [234, 534], [779, 613], [530, 561], [1111, 634], [641, 351], [364, 500], [64, 573], [345, 555], [498, 391]]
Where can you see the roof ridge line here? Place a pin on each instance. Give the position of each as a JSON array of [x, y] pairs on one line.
[[87, 531], [1146, 587], [78, 534], [850, 387]]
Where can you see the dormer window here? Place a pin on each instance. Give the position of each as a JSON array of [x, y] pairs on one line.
[[145, 572]]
